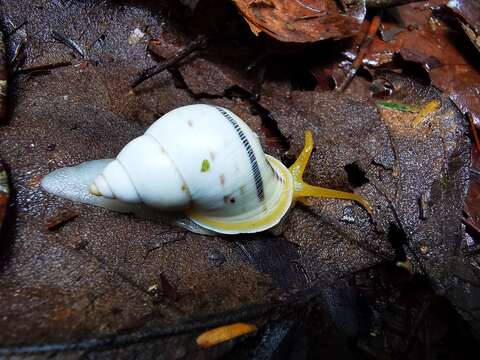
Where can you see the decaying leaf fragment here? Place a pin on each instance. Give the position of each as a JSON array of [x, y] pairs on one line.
[[468, 13], [224, 333], [302, 20], [429, 41]]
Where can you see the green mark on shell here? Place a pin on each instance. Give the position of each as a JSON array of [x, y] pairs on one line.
[[397, 106], [205, 166]]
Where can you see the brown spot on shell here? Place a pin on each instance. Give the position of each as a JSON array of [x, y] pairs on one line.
[[184, 188], [190, 123], [242, 189], [222, 179]]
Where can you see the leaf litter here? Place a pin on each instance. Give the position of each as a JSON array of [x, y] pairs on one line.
[[405, 150]]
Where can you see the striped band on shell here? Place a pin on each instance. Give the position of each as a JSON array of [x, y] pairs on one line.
[[257, 176]]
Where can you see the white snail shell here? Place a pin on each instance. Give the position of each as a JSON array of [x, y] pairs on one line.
[[202, 160]]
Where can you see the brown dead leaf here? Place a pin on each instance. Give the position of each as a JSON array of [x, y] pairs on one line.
[[302, 20], [437, 47], [468, 14]]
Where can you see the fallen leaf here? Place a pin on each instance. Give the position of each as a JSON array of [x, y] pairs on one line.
[[428, 40], [302, 20], [468, 13]]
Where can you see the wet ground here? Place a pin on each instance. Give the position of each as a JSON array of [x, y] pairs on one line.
[[82, 281]]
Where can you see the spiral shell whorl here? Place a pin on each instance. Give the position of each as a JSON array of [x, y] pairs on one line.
[[143, 172], [122, 188]]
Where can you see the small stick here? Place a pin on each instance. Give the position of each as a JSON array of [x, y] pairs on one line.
[[199, 43], [68, 42], [476, 139], [388, 3], [362, 51], [43, 68]]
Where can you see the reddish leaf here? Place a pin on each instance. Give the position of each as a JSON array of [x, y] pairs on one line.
[[301, 20], [429, 41]]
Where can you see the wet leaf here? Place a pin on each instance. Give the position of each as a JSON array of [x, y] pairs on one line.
[[430, 41], [302, 20], [468, 13], [397, 106], [89, 286]]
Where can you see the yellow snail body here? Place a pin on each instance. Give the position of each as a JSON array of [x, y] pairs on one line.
[[201, 161]]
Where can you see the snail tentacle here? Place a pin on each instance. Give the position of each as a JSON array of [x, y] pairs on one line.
[[302, 189]]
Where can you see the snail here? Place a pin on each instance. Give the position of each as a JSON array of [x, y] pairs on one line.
[[202, 165]]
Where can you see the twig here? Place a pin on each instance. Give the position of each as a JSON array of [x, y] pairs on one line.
[[388, 3], [68, 42], [362, 51], [199, 43], [43, 68]]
